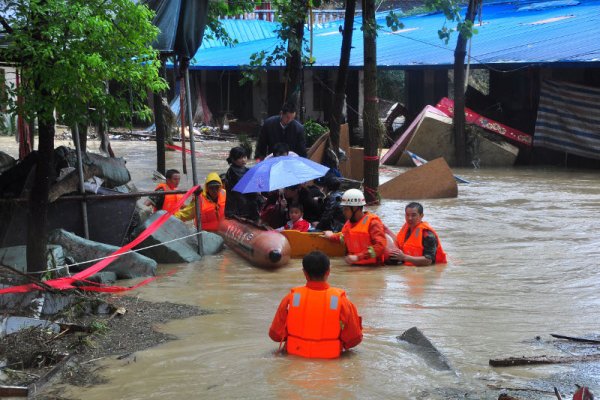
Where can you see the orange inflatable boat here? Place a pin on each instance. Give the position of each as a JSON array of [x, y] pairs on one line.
[[263, 248]]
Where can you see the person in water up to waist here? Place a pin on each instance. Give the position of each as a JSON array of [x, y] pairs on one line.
[[212, 204], [316, 320], [363, 234], [169, 201], [418, 243]]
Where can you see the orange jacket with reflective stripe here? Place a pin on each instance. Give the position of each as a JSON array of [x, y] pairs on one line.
[[414, 245], [358, 239], [170, 200], [212, 213], [313, 322]]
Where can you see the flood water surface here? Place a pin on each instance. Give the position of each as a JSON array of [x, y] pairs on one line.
[[523, 258]]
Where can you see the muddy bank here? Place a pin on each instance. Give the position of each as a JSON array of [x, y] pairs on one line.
[[70, 355]]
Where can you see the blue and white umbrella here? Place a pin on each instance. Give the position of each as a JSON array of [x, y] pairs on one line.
[[279, 172]]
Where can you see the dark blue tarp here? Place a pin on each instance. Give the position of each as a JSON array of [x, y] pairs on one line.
[[181, 24]]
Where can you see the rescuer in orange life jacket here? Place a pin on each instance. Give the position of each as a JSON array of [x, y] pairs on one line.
[[168, 201], [363, 234], [212, 204], [316, 320], [417, 242]]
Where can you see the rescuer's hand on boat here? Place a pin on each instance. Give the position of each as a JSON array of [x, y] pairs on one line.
[[351, 258], [397, 255], [328, 234]]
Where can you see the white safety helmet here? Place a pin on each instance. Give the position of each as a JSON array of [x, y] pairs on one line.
[[352, 198]]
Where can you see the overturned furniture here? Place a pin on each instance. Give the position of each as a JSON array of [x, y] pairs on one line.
[[431, 136]]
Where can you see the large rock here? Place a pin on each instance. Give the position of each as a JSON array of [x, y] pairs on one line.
[[6, 162], [170, 250], [426, 349], [126, 266], [16, 257]]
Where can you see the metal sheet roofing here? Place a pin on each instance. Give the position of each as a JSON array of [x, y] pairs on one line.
[[518, 33]]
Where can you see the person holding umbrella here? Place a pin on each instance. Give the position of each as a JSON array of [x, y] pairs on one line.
[[363, 234], [283, 172]]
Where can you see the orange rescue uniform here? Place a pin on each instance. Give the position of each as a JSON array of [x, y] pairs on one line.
[[365, 239], [211, 213], [170, 200], [317, 321], [413, 246]]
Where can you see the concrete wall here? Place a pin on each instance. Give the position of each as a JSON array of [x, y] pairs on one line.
[[8, 78]]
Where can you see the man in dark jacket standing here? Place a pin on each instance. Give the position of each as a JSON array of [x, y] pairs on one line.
[[282, 128]]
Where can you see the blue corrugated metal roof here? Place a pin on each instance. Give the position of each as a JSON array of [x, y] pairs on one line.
[[516, 33], [242, 31]]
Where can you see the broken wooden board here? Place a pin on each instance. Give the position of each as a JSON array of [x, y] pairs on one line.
[[433, 180], [392, 156], [13, 391], [425, 349], [344, 166], [514, 361], [433, 137], [316, 151], [575, 338], [357, 163]]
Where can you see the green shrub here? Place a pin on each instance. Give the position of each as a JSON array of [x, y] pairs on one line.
[[313, 130]]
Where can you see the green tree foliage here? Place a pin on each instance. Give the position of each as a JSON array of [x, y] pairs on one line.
[[290, 14], [451, 9], [222, 8], [68, 49]]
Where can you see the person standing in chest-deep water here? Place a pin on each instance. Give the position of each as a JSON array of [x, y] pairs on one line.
[[418, 243], [282, 128], [316, 320], [363, 234]]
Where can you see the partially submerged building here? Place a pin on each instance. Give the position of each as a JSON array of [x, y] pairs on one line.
[[518, 46]]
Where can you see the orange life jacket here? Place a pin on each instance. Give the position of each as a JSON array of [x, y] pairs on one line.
[[170, 200], [413, 246], [212, 213], [313, 322], [358, 239]]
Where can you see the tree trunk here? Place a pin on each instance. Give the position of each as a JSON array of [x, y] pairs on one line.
[[37, 221], [459, 90], [370, 112], [159, 123], [342, 76], [294, 62], [83, 131]]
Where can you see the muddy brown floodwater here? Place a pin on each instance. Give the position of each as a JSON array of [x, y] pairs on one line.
[[523, 252]]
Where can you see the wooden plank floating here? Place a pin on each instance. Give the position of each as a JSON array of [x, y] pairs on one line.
[[433, 180], [515, 361], [13, 391], [575, 339]]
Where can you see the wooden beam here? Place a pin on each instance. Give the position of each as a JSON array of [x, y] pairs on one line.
[[514, 361]]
